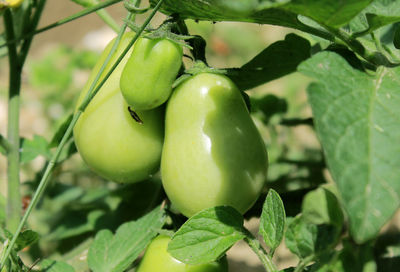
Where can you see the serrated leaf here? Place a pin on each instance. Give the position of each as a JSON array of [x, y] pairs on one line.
[[207, 235], [114, 253], [356, 117], [320, 206], [300, 237], [277, 60], [306, 240], [272, 221], [30, 149], [55, 266]]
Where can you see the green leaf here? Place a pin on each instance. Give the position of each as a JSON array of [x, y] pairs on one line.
[[55, 266], [268, 105], [25, 238], [390, 259], [308, 240], [79, 224], [328, 12], [396, 39], [356, 117], [277, 60], [272, 221], [321, 206], [284, 13], [300, 237], [114, 253], [3, 145], [357, 258], [30, 149], [378, 14], [207, 235]]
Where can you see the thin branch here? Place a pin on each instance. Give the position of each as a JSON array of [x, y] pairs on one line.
[[260, 252]]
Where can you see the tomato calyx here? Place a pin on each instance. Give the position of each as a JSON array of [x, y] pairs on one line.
[[164, 31]]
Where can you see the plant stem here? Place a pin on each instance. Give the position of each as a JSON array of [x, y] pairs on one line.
[[65, 20], [359, 49], [33, 24], [108, 19], [303, 263], [260, 252], [45, 179], [14, 205]]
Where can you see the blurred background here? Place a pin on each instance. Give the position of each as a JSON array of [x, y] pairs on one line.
[[58, 66]]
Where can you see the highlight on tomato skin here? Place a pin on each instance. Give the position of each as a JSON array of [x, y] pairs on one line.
[[157, 258]]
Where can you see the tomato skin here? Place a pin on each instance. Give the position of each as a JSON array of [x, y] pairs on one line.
[[213, 154], [146, 81], [157, 258], [108, 139]]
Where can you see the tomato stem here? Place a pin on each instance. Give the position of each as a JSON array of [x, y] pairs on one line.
[[260, 252]]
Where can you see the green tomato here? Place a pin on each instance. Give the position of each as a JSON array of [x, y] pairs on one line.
[[157, 259], [146, 81], [108, 139], [213, 153]]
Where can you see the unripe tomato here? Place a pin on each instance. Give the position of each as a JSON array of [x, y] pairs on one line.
[[213, 153], [146, 81], [108, 139], [157, 259]]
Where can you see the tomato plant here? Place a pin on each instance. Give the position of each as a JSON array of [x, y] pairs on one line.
[[166, 148]]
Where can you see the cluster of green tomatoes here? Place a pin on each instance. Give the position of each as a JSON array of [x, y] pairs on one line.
[[199, 135]]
